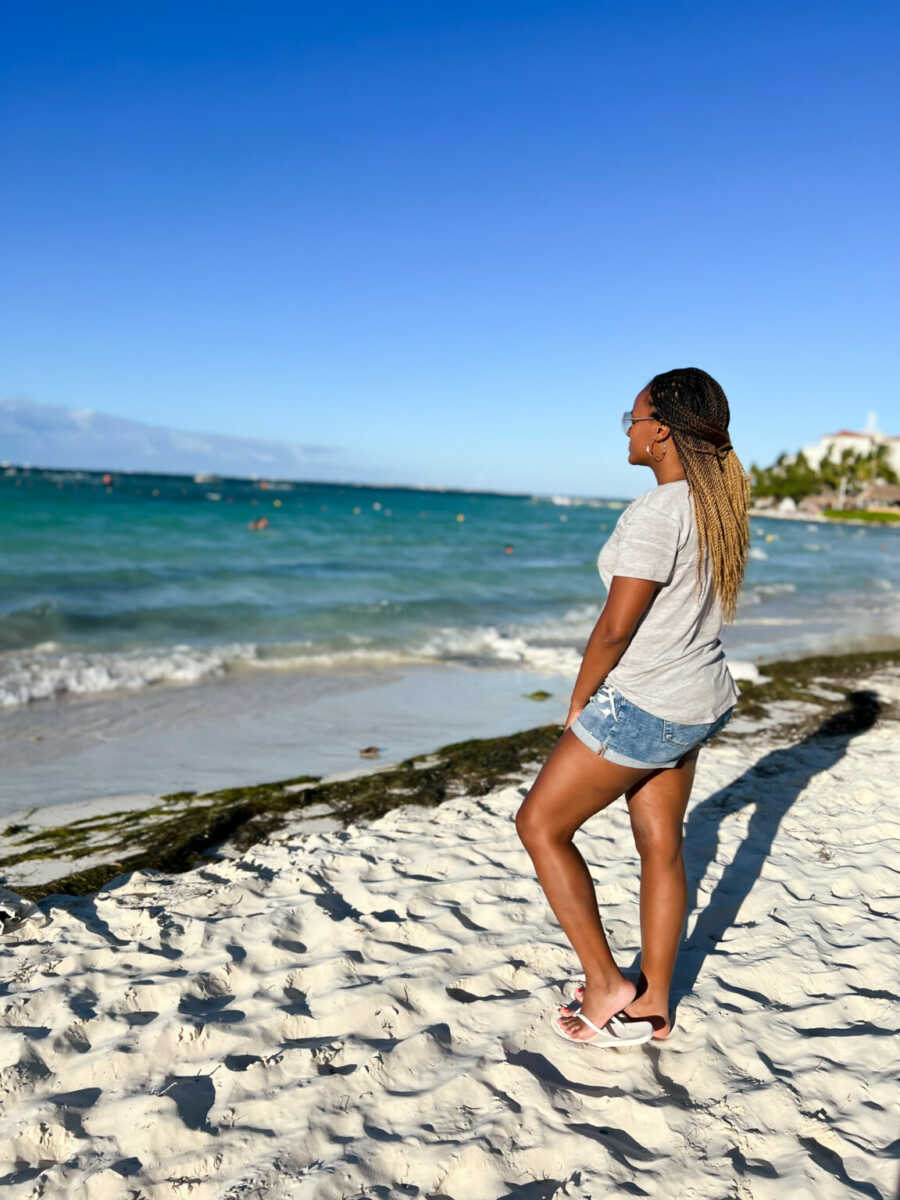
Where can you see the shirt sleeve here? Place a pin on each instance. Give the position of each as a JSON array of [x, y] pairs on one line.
[[648, 546]]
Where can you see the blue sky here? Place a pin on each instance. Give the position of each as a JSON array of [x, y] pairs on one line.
[[449, 242]]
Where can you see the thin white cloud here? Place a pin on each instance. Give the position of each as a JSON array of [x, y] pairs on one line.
[[55, 436], [82, 417]]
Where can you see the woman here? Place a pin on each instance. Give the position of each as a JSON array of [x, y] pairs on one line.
[[653, 686]]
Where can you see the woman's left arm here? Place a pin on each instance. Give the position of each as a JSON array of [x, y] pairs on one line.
[[625, 605]]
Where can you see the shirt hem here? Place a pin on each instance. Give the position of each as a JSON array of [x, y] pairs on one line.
[[679, 716]]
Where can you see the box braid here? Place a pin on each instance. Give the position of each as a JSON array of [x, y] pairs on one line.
[[694, 407]]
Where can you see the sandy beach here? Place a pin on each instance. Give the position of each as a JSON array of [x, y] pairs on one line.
[[361, 1009]]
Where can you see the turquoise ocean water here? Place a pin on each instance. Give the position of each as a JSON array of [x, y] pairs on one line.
[[138, 581]]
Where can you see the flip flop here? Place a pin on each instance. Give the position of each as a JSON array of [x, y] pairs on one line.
[[615, 1032], [574, 1010]]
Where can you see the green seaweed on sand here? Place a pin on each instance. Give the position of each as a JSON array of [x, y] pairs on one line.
[[169, 836], [183, 829], [799, 679], [540, 694]]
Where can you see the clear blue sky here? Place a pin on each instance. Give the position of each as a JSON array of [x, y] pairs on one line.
[[450, 241]]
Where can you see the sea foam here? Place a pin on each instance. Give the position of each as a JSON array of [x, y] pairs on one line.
[[44, 673]]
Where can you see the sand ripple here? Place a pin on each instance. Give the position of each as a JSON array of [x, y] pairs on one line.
[[363, 1013]]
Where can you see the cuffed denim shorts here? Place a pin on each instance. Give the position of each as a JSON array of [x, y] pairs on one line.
[[616, 729]]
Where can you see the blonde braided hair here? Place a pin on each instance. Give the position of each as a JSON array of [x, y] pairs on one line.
[[694, 407]]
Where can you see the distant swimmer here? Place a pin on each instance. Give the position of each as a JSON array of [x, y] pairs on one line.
[[507, 549], [259, 523]]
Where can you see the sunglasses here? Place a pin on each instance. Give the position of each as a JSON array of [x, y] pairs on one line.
[[628, 419]]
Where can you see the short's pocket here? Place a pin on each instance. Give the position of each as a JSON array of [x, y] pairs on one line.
[[692, 735], [685, 735]]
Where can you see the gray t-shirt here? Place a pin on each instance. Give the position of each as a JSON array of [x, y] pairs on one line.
[[674, 666]]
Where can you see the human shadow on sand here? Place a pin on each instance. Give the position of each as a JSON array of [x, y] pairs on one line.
[[771, 786]]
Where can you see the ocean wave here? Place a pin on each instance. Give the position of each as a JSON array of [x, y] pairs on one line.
[[575, 623], [486, 645], [774, 589], [40, 674], [771, 622], [764, 591], [580, 502], [47, 672], [44, 673], [553, 646]]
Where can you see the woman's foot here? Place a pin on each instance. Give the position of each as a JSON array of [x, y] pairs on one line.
[[599, 1002], [645, 1008], [639, 1008]]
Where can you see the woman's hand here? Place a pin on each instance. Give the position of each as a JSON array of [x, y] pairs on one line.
[[576, 708]]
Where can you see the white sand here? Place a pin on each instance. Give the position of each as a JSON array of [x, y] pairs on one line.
[[363, 1013]]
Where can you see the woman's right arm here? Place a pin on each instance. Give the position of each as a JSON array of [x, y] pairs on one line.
[[625, 605]]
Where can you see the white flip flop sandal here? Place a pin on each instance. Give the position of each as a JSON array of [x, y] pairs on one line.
[[615, 1032], [573, 1009]]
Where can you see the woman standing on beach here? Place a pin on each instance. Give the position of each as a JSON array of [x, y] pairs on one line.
[[653, 686]]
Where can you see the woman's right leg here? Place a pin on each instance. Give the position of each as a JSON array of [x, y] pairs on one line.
[[657, 806], [575, 783]]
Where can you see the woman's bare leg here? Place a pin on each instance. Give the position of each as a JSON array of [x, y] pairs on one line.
[[657, 806], [575, 783]]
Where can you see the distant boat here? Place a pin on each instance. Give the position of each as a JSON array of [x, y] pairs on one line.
[[203, 477]]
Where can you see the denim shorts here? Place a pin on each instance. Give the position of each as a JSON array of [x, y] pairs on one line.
[[616, 729]]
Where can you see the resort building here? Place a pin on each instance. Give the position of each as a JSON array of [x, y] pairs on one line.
[[833, 444]]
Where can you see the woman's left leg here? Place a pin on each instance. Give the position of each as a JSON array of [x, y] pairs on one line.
[[575, 783]]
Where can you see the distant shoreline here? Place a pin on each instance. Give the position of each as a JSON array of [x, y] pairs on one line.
[[819, 519], [11, 469]]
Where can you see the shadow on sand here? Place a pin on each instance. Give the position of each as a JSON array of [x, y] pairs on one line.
[[771, 786]]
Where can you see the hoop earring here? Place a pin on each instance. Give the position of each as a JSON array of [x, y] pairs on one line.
[[653, 456]]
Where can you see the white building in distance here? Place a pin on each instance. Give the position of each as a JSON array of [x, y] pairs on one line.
[[833, 444]]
